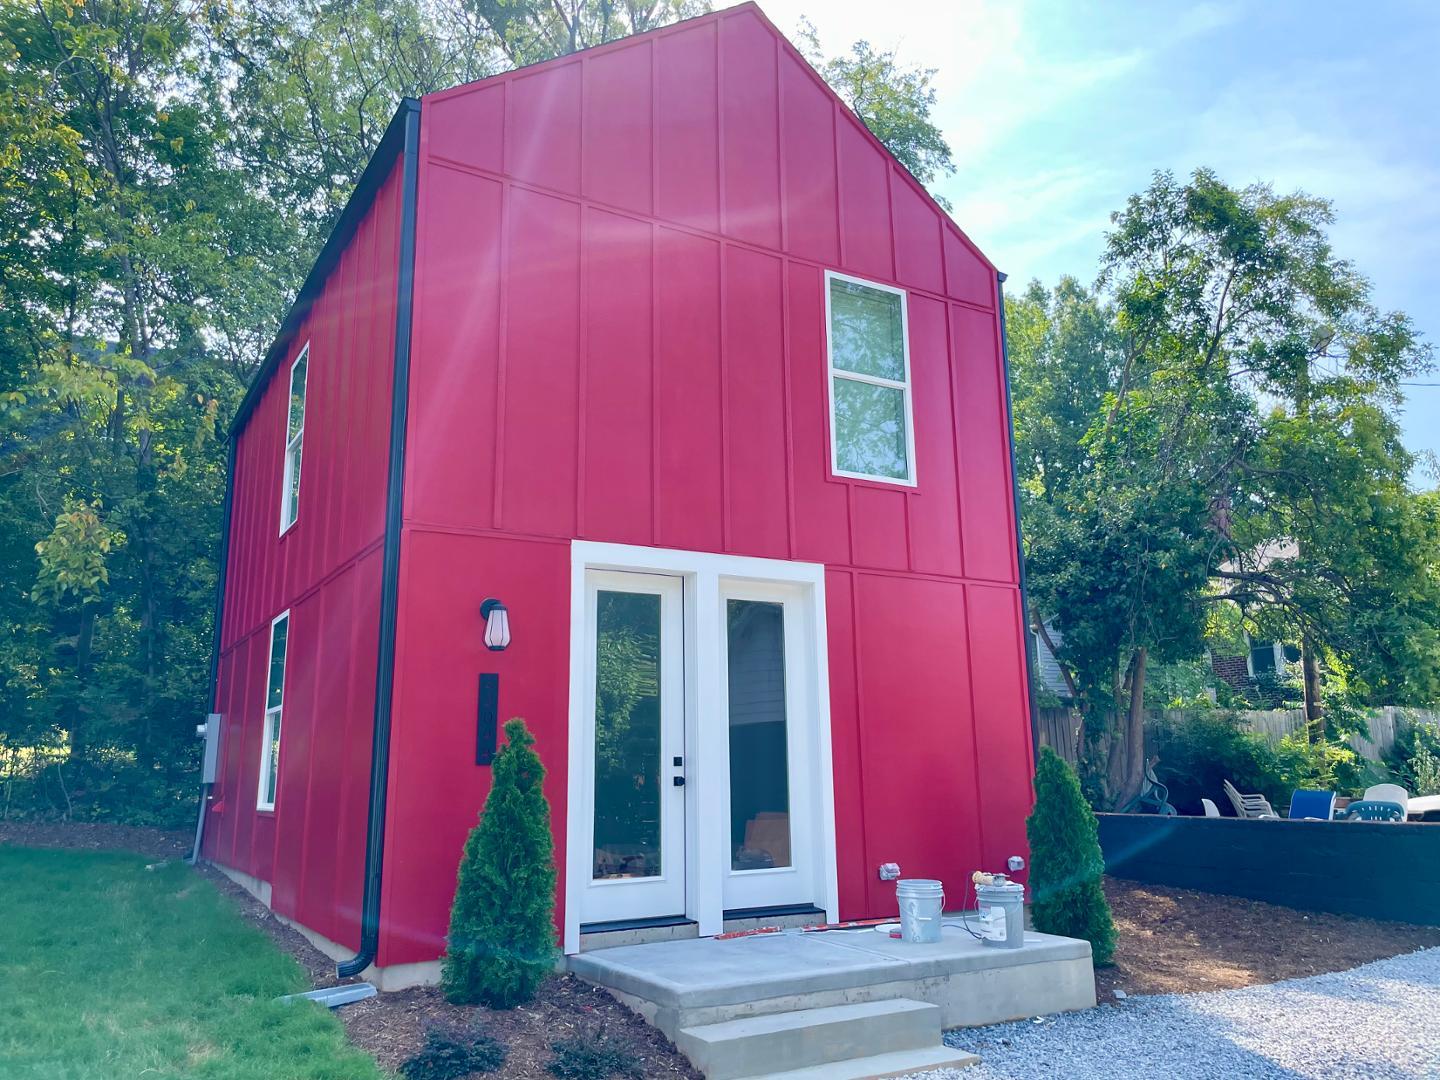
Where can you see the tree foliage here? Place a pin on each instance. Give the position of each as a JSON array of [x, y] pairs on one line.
[[501, 943], [891, 98], [1215, 426], [168, 171]]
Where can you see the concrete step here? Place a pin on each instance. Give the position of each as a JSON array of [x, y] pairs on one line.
[[682, 984], [805, 1038], [879, 1066]]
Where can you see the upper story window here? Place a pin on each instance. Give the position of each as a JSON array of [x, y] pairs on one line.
[[294, 437], [274, 702], [871, 428]]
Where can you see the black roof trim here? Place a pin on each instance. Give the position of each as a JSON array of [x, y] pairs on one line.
[[377, 171]]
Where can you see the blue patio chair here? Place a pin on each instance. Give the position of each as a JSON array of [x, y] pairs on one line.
[[1375, 810], [1314, 805]]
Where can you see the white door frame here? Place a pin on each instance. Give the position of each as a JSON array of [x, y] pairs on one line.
[[706, 724]]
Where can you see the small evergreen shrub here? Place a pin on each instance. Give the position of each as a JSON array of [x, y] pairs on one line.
[[597, 1058], [501, 944], [1065, 861], [451, 1055]]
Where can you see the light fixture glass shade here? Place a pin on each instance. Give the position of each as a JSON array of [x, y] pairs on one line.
[[497, 627]]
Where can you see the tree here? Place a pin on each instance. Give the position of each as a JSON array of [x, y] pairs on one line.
[[891, 99], [502, 924], [530, 32], [1217, 428], [1066, 864], [168, 172], [1238, 290]]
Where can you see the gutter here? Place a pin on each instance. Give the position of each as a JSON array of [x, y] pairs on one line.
[[227, 507], [1030, 661], [408, 118]]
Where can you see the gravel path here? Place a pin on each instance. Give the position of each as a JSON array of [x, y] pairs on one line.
[[1376, 1022]]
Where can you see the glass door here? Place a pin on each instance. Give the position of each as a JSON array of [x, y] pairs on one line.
[[636, 753], [769, 723]]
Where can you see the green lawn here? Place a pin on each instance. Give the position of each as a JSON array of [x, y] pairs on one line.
[[109, 970]]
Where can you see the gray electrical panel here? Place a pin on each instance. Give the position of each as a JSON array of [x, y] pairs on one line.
[[211, 730]]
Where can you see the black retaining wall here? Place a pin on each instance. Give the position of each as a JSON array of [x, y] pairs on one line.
[[1377, 869]]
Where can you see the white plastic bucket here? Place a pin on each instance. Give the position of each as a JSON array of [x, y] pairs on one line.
[[921, 902], [1009, 897]]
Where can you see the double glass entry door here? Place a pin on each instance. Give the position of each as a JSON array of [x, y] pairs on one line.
[[658, 775]]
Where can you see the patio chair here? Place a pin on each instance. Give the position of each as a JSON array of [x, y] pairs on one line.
[[1312, 806], [1388, 793], [1154, 798], [1249, 806], [1211, 810], [1375, 810]]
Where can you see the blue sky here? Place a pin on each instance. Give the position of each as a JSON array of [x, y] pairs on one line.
[[1056, 111]]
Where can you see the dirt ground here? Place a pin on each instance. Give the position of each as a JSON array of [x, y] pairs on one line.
[[1170, 941], [1176, 941], [98, 836]]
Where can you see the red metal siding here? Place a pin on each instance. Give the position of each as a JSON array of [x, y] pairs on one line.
[[619, 335], [326, 571]]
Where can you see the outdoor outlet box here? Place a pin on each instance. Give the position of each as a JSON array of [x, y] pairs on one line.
[[889, 871], [211, 731]]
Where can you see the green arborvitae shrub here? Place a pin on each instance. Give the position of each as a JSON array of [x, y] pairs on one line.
[[502, 926], [449, 1055], [1065, 861]]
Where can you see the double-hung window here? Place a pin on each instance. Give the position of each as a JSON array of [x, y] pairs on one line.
[[294, 437], [871, 428], [274, 701]]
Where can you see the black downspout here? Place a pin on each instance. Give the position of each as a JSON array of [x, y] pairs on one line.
[[221, 569], [390, 569], [1030, 661]]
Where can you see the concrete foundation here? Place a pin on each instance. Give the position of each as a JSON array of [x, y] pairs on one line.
[[392, 977], [682, 984]]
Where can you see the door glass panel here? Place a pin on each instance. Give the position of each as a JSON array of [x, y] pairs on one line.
[[759, 769], [627, 735]]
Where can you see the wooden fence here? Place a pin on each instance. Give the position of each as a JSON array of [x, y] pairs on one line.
[[1059, 729]]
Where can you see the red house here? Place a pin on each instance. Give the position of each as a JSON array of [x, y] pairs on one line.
[[657, 346]]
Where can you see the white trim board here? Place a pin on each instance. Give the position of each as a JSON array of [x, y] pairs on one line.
[[707, 834]]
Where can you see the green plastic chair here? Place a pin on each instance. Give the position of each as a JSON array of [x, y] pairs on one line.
[[1375, 810]]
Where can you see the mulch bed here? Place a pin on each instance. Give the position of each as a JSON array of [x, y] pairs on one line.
[[98, 836], [1177, 941], [392, 1027]]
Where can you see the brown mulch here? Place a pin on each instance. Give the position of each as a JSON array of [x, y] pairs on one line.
[[392, 1027], [1177, 941], [98, 836]]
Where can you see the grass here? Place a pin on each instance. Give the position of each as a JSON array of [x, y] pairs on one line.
[[112, 970]]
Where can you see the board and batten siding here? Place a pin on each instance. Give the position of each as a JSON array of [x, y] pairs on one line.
[[619, 336], [325, 570]]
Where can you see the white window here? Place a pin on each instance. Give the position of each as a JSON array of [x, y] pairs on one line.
[[274, 699], [294, 436], [872, 433]]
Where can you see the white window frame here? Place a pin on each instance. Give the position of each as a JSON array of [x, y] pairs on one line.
[[911, 479], [293, 446], [272, 718]]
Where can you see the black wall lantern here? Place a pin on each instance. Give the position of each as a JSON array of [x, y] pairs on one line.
[[497, 625]]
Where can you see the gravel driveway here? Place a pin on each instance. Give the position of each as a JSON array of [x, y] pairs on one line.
[[1378, 1021]]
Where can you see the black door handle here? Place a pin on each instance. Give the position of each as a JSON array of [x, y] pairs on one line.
[[678, 781]]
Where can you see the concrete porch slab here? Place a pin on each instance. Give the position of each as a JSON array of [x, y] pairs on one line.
[[676, 984]]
